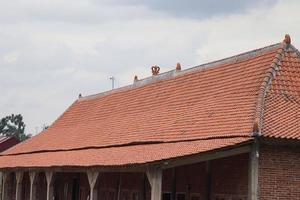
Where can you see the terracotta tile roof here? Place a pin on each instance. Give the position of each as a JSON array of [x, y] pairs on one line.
[[197, 104], [281, 118], [255, 93], [118, 156]]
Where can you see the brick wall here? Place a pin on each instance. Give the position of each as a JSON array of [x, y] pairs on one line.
[[26, 186], [132, 186], [279, 173], [190, 181], [230, 178]]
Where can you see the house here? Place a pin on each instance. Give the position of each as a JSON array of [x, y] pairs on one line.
[[6, 143], [226, 130]]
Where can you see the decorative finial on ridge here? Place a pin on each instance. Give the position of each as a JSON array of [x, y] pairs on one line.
[[79, 96], [178, 67], [135, 78], [155, 70], [287, 39]]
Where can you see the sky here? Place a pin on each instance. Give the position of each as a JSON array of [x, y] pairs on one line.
[[52, 50]]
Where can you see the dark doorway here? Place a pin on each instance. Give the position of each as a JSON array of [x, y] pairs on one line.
[[75, 189]]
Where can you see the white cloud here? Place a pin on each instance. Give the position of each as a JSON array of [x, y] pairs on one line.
[[54, 50], [10, 57]]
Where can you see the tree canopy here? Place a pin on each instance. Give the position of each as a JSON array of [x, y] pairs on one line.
[[13, 126]]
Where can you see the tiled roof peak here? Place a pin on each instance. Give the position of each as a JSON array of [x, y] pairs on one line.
[[270, 74], [175, 73]]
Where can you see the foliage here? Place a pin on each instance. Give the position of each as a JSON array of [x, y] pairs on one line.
[[13, 126], [45, 127]]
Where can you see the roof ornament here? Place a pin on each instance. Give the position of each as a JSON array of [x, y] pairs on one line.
[[178, 67], [135, 78], [79, 96], [155, 70], [256, 128], [287, 39]]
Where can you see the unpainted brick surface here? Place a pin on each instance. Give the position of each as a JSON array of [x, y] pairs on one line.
[[230, 178], [279, 173]]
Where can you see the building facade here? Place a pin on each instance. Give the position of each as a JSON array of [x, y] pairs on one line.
[[6, 143]]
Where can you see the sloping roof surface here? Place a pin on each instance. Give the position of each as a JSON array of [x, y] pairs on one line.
[[204, 103], [281, 117], [212, 102], [118, 156]]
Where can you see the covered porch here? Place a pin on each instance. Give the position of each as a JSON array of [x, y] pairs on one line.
[[221, 175]]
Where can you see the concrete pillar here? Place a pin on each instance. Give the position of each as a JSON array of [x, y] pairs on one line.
[[33, 185], [50, 185], [253, 172], [92, 177], [19, 179], [155, 179], [5, 185]]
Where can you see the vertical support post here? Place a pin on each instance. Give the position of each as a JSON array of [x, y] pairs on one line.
[[155, 179], [19, 179], [33, 185], [50, 184], [92, 177], [5, 186], [253, 171], [1, 184], [119, 186]]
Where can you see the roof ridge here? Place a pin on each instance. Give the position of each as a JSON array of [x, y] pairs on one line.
[[174, 73], [270, 74]]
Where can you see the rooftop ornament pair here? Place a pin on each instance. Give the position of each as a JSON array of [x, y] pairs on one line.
[[155, 71]]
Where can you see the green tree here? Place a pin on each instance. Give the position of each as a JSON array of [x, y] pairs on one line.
[[45, 127], [13, 126]]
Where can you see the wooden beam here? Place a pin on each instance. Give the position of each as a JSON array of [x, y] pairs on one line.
[[154, 175], [19, 179], [33, 185], [253, 172], [1, 184], [119, 186], [127, 169], [50, 184], [92, 177], [5, 186], [205, 157]]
